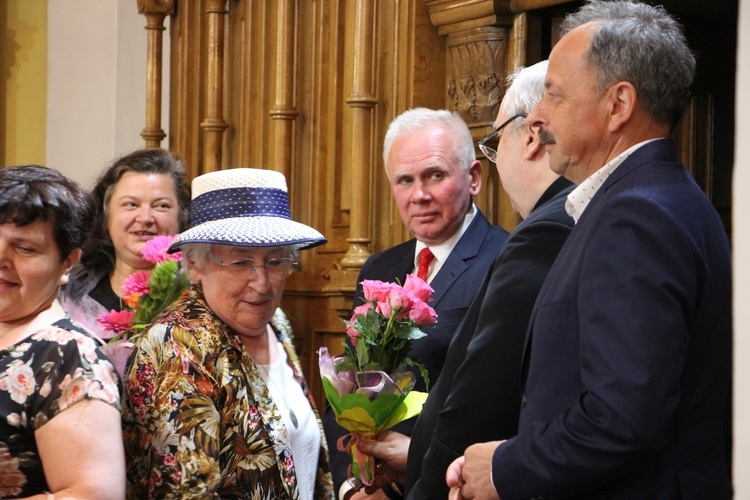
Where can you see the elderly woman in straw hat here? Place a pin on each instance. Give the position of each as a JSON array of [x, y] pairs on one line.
[[216, 405]]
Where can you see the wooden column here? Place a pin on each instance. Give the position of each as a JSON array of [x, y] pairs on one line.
[[478, 36], [284, 112], [155, 11], [477, 39], [213, 125], [361, 101]]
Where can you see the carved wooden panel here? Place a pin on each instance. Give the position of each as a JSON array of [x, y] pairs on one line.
[[308, 88]]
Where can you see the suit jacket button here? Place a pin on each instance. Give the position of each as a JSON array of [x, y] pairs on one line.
[[523, 400]]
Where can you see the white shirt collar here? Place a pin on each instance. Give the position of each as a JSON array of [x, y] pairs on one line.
[[580, 197], [444, 249]]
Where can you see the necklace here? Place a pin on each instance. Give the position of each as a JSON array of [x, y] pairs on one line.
[[281, 393]]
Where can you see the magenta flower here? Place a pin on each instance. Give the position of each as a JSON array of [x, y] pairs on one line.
[[155, 250], [116, 321], [136, 283]]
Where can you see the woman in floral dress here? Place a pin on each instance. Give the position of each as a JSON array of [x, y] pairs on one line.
[[60, 428], [216, 405]]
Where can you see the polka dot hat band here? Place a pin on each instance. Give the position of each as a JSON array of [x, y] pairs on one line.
[[244, 207]]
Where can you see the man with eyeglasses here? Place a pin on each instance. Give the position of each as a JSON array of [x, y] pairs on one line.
[[431, 165], [627, 366], [478, 397]]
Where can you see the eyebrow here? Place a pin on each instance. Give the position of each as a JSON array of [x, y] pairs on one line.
[[433, 166], [27, 240]]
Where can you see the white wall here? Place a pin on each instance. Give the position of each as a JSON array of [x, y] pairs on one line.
[[96, 84], [741, 250]]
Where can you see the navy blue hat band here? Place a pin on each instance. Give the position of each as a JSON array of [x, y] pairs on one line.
[[239, 202]]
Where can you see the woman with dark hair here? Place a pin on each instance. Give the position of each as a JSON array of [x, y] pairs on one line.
[[142, 195], [59, 401]]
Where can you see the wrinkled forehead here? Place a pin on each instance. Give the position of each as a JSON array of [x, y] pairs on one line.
[[420, 151]]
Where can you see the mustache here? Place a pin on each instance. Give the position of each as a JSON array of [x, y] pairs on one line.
[[546, 137]]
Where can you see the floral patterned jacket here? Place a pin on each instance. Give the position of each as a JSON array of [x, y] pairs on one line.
[[198, 420], [40, 377]]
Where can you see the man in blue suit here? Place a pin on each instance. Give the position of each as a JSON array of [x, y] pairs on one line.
[[477, 398], [432, 168], [625, 380]]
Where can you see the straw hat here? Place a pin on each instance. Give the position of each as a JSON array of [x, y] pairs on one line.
[[244, 207]]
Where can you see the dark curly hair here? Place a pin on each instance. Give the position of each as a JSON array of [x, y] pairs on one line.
[[98, 250], [33, 192]]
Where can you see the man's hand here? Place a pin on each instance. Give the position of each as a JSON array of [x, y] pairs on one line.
[[453, 478], [390, 449], [361, 495], [469, 476]]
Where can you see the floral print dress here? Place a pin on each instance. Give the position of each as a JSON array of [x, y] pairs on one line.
[[40, 377], [198, 420]]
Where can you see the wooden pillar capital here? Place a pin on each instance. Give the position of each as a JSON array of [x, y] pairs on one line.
[[477, 41], [451, 16], [156, 7]]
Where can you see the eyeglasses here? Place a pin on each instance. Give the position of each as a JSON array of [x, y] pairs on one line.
[[491, 153], [277, 268]]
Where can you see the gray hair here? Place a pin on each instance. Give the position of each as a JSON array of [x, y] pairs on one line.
[[419, 119], [643, 45], [526, 89], [196, 252]]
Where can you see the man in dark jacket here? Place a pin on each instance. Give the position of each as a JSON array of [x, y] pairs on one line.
[[434, 175], [626, 375], [478, 398]]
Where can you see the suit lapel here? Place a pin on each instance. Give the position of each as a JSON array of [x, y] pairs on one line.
[[662, 150], [403, 266], [466, 249]]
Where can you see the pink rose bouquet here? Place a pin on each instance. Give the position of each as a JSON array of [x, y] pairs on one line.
[[369, 387], [145, 294]]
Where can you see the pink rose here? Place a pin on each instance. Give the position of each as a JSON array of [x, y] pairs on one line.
[[361, 310], [418, 287], [422, 314], [351, 332], [400, 299], [384, 309], [377, 291], [353, 335], [398, 302]]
